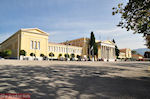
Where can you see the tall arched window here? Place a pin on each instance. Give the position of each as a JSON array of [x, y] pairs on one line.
[[39, 45], [35, 45], [31, 45]]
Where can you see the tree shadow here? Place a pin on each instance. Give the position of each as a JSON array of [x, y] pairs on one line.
[[71, 82]]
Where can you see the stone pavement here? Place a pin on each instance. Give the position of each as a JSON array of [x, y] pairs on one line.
[[76, 80]]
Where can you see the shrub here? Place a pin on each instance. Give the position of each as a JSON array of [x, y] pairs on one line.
[[42, 55], [66, 55], [72, 55], [51, 54], [32, 54], [60, 55], [5, 53], [23, 52]]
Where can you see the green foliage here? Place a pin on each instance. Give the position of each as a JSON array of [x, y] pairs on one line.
[[42, 55], [66, 55], [93, 44], [135, 16], [60, 55], [32, 54], [113, 41], [5, 53], [117, 51], [147, 54], [72, 55], [51, 54], [23, 52], [78, 56], [133, 52]]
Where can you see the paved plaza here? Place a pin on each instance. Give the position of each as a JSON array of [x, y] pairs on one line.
[[76, 80]]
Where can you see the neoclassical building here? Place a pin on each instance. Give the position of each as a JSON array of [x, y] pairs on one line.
[[34, 40], [106, 49]]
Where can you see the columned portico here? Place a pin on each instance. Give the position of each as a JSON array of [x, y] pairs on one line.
[[107, 52]]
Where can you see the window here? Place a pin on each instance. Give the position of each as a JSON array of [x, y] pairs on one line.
[[31, 45], [39, 45], [49, 48], [54, 49], [35, 45], [59, 49], [64, 50]]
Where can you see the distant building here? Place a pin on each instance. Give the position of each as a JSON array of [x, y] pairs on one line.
[[137, 57], [106, 49], [80, 42], [125, 53]]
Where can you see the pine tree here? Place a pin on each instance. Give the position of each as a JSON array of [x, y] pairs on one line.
[[93, 44], [117, 51]]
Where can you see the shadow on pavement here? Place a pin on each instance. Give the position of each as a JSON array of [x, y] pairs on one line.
[[71, 82]]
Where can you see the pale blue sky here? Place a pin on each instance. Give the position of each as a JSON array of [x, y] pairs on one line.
[[66, 20]]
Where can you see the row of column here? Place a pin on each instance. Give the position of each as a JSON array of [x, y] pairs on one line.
[[107, 52]]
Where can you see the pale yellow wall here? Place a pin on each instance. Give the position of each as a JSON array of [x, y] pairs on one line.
[[56, 52], [122, 55], [28, 36], [99, 51], [12, 44]]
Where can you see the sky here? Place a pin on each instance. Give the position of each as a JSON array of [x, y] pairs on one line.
[[67, 20]]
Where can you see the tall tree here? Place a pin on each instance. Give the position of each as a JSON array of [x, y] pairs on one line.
[[134, 52], [135, 15], [117, 51], [147, 54], [93, 45]]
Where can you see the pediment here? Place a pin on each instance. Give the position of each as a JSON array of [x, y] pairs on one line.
[[34, 30]]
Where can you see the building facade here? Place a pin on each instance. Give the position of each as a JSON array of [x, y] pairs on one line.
[[35, 41], [62, 49], [106, 49], [81, 42], [125, 53]]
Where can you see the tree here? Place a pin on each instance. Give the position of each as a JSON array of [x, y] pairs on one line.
[[42, 55], [5, 53], [117, 51], [133, 52], [135, 16], [92, 44], [51, 55], [60, 55], [79, 57], [72, 55], [147, 54], [23, 52], [66, 55], [32, 54]]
